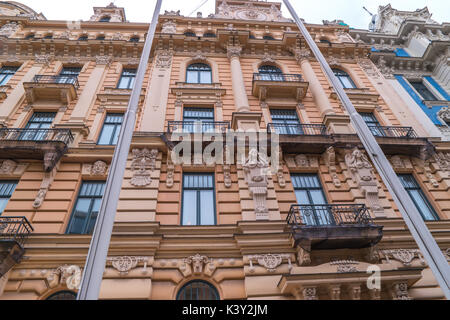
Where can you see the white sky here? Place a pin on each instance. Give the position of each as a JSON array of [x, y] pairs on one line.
[[313, 11]]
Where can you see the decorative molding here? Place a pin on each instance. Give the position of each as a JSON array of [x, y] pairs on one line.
[[354, 291], [124, 264], [388, 72], [143, 164], [310, 293], [199, 56], [267, 58], [227, 176], [405, 256], [444, 114], [256, 170], [303, 256], [234, 52], [362, 174], [335, 291], [44, 59], [397, 162], [66, 275], [7, 167], [302, 54], [345, 266], [169, 27], [45, 185], [425, 165], [443, 161], [399, 291], [163, 59], [9, 29], [269, 261], [280, 177], [170, 173], [198, 262], [330, 160], [103, 60], [98, 168]]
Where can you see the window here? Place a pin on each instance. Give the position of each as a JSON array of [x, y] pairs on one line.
[[48, 36], [30, 36], [344, 78], [127, 79], [111, 129], [6, 73], [309, 193], [134, 39], [286, 121], [69, 74], [198, 204], [209, 35], [372, 123], [325, 41], [198, 290], [418, 197], [268, 37], [39, 120], [105, 19], [198, 119], [198, 73], [83, 37], [100, 37], [63, 295], [424, 92], [270, 73], [86, 208], [190, 34], [6, 190]]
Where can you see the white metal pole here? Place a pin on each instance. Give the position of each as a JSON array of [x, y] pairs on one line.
[[96, 259], [425, 241]]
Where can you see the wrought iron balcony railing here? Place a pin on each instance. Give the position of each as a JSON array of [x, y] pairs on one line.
[[57, 80], [297, 129], [15, 229], [37, 135], [393, 132], [329, 215], [198, 126], [283, 77]]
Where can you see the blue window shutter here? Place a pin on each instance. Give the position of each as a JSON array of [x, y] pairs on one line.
[[438, 88], [430, 112]]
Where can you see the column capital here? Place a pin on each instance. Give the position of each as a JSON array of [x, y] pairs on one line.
[[103, 60], [234, 52], [301, 54]]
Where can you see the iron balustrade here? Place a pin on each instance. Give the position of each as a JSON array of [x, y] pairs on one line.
[[297, 129], [198, 126], [37, 135], [15, 229], [393, 132], [283, 77], [57, 80], [329, 215]]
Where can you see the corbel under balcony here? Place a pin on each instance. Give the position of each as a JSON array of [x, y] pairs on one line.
[[279, 86], [114, 97], [59, 88], [358, 94], [3, 90]]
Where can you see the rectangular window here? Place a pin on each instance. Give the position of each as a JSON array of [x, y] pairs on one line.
[[111, 130], [373, 124], [198, 119], [40, 121], [86, 208], [69, 74], [422, 89], [309, 193], [286, 121], [127, 79], [198, 204], [6, 73], [6, 190], [418, 197]]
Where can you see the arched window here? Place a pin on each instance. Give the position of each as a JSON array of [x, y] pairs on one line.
[[100, 37], [83, 37], [48, 36], [209, 35], [270, 73], [268, 37], [63, 295], [325, 41], [30, 36], [198, 290], [134, 39], [344, 78], [198, 73], [105, 19]]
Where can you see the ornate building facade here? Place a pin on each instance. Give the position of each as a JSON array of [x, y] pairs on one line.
[[318, 227]]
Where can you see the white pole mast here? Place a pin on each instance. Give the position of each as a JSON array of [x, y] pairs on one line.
[[98, 250], [425, 241]]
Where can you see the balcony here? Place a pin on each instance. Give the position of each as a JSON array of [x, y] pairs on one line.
[[279, 86], [14, 231], [310, 138], [59, 88], [48, 145], [331, 226], [198, 126]]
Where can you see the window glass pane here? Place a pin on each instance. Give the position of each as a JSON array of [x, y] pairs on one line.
[[205, 77], [105, 137], [116, 135], [94, 213], [79, 216], [346, 82], [423, 90], [207, 214], [189, 208], [422, 204], [3, 203], [302, 197], [192, 77], [317, 197]]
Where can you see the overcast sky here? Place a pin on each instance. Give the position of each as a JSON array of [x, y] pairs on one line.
[[314, 11]]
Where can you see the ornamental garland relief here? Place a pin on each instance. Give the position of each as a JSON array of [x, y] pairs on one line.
[[66, 275], [124, 264], [269, 261]]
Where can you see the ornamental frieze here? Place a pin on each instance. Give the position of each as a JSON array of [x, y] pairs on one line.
[[66, 275], [143, 164], [124, 264], [405, 256], [269, 261]]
